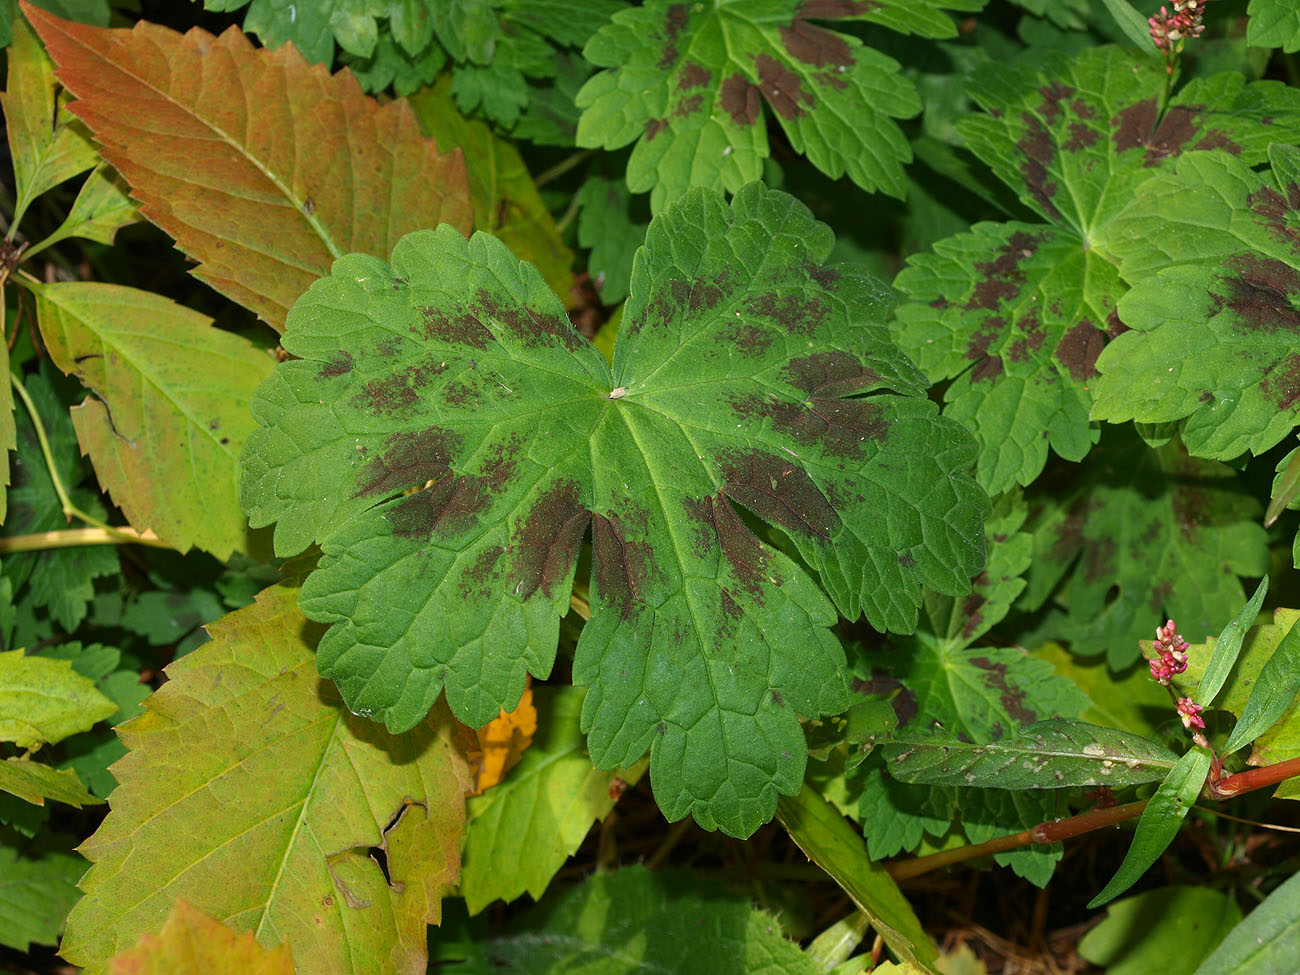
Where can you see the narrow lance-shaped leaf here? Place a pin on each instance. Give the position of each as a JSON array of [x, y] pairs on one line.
[[746, 374], [1286, 487], [1266, 942], [1047, 755], [1227, 648], [250, 792], [35, 782], [1274, 692], [262, 167], [1214, 255], [169, 415], [829, 841], [1160, 821]]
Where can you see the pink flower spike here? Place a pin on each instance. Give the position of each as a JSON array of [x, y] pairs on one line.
[[1190, 712]]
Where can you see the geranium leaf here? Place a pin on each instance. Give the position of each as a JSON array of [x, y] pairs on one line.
[[263, 796], [1213, 306], [263, 168], [1145, 534], [521, 832], [1017, 313], [1160, 821], [746, 373], [169, 415], [687, 84], [46, 143], [1046, 755], [1273, 23], [193, 941]]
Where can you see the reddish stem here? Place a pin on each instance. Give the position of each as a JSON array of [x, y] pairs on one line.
[[1064, 829]]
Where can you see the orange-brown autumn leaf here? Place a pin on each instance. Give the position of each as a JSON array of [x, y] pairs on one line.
[[264, 168], [191, 941], [502, 741]]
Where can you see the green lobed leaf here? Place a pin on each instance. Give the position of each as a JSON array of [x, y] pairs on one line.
[[38, 886], [1127, 701], [1273, 694], [746, 373], [169, 415], [521, 831], [1169, 930], [46, 143], [1018, 313], [1141, 535], [627, 923], [35, 782], [1227, 647], [1267, 941], [607, 225], [835, 846], [43, 701], [1214, 255], [687, 84], [250, 792], [1273, 23], [1053, 754], [1160, 821]]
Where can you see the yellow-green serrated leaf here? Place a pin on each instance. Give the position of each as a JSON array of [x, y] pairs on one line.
[[191, 941], [44, 701], [35, 782], [1214, 258], [101, 209], [252, 793], [170, 411], [687, 83], [448, 436], [522, 830], [1017, 313], [46, 143]]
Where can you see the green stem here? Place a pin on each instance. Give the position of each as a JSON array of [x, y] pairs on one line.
[[76, 538], [563, 223], [563, 166], [70, 510]]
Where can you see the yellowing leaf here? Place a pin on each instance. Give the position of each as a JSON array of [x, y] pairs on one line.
[[501, 742], [191, 941], [47, 145], [263, 168], [43, 701], [251, 792], [35, 782], [170, 411]]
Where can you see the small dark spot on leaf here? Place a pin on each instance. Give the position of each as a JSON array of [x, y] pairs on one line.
[[1114, 327], [1001, 277], [532, 327], [796, 314], [408, 459], [1053, 95], [984, 337], [546, 543], [1133, 125], [309, 206], [482, 573], [990, 367], [778, 491], [1079, 349], [653, 127], [1082, 109], [675, 24], [1217, 140], [1099, 560], [815, 45], [750, 339], [445, 508], [777, 699], [1260, 293], [693, 76], [782, 88], [339, 364], [621, 568], [1283, 382], [740, 100], [687, 106], [826, 374], [905, 706], [1278, 212], [1205, 397], [399, 391], [464, 329], [1039, 151], [906, 560], [1081, 137], [1011, 698], [835, 9]]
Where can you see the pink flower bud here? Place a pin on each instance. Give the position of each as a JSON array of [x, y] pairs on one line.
[[1190, 712]]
